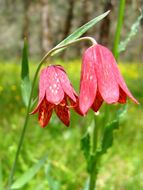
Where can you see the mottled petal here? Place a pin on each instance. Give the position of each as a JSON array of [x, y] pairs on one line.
[[88, 82], [107, 84], [63, 112], [54, 90], [45, 112], [98, 102], [65, 83], [42, 88], [120, 79], [75, 106], [122, 97]]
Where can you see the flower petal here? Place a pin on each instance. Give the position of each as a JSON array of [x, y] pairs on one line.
[[63, 113], [107, 84], [122, 97], [54, 90], [75, 106], [88, 82], [120, 79], [45, 112], [42, 88], [98, 102], [65, 83]]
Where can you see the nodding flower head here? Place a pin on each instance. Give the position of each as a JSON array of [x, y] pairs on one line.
[[101, 80], [54, 91]]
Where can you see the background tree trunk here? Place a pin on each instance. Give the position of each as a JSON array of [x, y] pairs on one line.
[[86, 11], [68, 23], [46, 26], [25, 32], [86, 8], [105, 25], [141, 44], [69, 18]]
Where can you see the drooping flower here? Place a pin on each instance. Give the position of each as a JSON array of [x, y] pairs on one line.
[[101, 80], [54, 91]]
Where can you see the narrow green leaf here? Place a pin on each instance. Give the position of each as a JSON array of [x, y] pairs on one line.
[[80, 31], [85, 146], [25, 81], [1, 177], [132, 33], [53, 183], [25, 68], [28, 175]]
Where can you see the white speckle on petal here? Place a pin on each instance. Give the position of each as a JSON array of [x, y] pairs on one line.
[[87, 75], [55, 85], [55, 92]]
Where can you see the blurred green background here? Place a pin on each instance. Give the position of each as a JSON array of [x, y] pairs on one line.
[[45, 23], [121, 166]]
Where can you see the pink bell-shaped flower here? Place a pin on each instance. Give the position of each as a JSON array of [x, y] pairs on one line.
[[101, 80], [54, 91]]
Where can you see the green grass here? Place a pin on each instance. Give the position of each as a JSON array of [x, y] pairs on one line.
[[121, 166]]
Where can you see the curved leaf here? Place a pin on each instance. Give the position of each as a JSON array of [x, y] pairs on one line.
[[80, 31]]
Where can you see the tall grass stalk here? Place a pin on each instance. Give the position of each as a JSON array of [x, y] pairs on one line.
[[118, 28]]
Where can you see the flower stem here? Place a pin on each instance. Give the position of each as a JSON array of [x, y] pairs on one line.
[[118, 28], [24, 129], [29, 104], [93, 178], [93, 173], [68, 44]]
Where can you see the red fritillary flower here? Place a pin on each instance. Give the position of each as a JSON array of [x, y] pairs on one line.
[[54, 90], [101, 80]]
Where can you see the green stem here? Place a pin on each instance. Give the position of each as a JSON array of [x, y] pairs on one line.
[[118, 28], [93, 178], [24, 129], [69, 44], [93, 174], [29, 104], [95, 136]]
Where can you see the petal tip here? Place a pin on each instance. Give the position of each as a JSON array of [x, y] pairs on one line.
[[135, 101], [67, 124]]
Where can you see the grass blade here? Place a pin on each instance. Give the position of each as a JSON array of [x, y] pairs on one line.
[[53, 183], [1, 177], [28, 175], [25, 83]]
